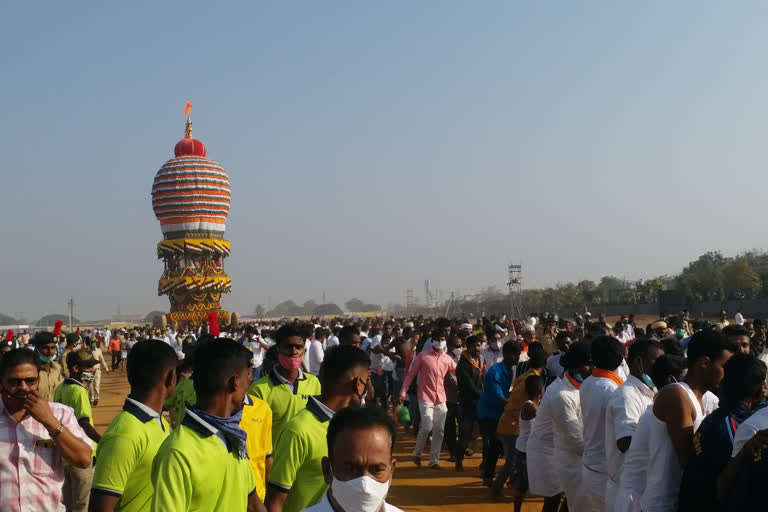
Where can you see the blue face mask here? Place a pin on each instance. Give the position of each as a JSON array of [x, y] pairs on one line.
[[578, 377], [647, 381], [47, 359]]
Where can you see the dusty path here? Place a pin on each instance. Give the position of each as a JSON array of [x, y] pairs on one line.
[[413, 490]]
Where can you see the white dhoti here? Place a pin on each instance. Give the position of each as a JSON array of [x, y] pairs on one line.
[[569, 476], [627, 500], [542, 477], [593, 483], [610, 493]]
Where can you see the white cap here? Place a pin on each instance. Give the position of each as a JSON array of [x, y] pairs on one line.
[[465, 327]]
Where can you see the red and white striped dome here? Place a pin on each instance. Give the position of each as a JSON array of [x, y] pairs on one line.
[[191, 194]]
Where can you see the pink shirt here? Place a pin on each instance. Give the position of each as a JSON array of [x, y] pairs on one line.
[[31, 466], [431, 366]]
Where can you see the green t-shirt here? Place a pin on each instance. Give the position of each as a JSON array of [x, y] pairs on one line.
[[125, 455], [297, 467], [72, 393], [176, 403], [285, 399], [194, 472]]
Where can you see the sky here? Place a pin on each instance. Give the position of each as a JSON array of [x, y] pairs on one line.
[[373, 145]]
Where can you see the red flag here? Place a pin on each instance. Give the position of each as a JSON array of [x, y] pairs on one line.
[[213, 323], [9, 335], [57, 328], [77, 331], [187, 108]]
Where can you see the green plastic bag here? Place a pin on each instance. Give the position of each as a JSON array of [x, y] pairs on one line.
[[403, 415]]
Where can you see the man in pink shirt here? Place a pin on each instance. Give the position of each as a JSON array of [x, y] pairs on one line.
[[431, 366]]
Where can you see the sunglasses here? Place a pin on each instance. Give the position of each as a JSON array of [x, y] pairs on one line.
[[29, 381]]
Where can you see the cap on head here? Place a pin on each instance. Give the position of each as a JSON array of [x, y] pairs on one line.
[[72, 339], [81, 358], [43, 338]]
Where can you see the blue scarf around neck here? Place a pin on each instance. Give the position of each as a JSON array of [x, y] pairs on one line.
[[230, 427]]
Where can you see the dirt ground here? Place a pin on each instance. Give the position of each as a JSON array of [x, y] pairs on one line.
[[413, 489]]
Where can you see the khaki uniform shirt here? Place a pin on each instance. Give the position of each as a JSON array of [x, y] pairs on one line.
[[49, 380], [64, 369]]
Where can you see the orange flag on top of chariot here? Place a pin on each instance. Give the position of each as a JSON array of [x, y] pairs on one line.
[[187, 108]]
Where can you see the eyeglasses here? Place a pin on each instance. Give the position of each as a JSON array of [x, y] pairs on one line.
[[29, 381]]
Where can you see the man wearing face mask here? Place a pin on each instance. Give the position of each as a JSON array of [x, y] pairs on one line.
[[72, 344], [360, 465], [296, 480], [567, 427], [286, 387], [492, 353], [203, 465], [431, 365], [455, 348], [625, 406], [72, 392], [50, 370]]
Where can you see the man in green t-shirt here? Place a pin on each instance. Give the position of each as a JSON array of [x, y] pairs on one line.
[[122, 479], [72, 392], [296, 479], [203, 465], [286, 387]]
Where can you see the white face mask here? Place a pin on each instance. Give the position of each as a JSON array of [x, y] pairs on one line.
[[363, 494], [439, 345], [457, 352]]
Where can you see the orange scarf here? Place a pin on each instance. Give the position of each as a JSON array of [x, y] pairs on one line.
[[573, 381], [607, 374], [481, 368]]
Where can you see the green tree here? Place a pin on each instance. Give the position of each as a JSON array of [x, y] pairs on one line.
[[259, 311], [703, 279], [740, 280]]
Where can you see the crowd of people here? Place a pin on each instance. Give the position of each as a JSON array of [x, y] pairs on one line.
[[286, 416]]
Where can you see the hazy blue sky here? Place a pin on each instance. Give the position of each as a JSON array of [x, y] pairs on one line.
[[371, 146]]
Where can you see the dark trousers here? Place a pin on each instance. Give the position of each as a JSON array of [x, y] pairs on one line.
[[383, 385], [115, 359], [467, 418], [491, 446], [451, 431]]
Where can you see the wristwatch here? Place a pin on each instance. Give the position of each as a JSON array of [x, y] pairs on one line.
[[56, 432]]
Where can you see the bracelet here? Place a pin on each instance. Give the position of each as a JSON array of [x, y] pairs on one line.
[[56, 432]]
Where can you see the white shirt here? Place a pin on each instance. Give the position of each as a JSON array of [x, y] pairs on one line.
[[763, 357], [625, 406], [633, 472], [567, 425], [380, 361], [255, 348], [594, 394], [332, 341], [492, 357], [738, 319], [750, 426], [325, 506], [316, 356], [305, 359]]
